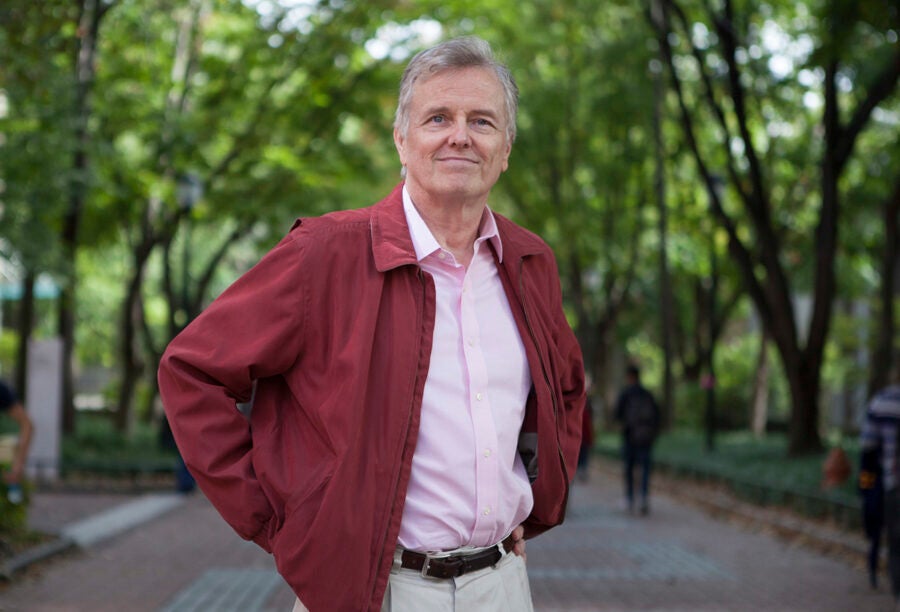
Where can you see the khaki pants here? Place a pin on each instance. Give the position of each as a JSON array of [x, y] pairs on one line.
[[502, 588]]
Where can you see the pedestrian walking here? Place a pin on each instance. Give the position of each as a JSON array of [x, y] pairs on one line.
[[639, 415], [871, 490], [880, 476], [418, 391], [13, 475], [184, 481]]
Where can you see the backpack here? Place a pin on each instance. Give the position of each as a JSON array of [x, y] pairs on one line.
[[641, 418]]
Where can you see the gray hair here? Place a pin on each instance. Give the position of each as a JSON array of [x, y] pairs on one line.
[[464, 52]]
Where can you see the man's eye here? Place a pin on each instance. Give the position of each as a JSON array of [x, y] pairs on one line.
[[437, 119], [483, 123]]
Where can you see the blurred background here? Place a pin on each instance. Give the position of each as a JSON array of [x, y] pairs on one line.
[[720, 182]]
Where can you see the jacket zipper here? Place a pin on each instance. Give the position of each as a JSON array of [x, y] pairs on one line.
[[421, 277], [559, 451]]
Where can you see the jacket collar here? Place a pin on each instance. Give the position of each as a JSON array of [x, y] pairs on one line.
[[518, 243], [392, 244]]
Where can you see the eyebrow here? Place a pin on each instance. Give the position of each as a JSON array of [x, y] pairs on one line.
[[437, 110]]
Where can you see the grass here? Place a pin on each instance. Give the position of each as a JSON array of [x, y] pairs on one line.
[[756, 469], [759, 468], [96, 449], [97, 446]]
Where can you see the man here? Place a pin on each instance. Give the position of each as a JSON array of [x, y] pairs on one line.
[[10, 405], [417, 392], [880, 441], [639, 414]]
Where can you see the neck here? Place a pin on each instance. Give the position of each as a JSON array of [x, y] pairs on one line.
[[453, 224]]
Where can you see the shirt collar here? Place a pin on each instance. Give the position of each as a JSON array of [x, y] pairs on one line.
[[424, 241]]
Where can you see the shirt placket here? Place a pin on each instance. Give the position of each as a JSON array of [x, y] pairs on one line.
[[487, 484]]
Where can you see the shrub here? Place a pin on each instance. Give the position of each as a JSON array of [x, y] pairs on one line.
[[13, 517]]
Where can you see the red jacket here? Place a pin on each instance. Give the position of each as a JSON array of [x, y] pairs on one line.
[[334, 325]]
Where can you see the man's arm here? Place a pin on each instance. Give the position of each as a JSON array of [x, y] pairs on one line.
[[253, 330], [26, 431]]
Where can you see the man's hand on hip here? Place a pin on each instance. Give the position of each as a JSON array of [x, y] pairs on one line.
[[518, 535]]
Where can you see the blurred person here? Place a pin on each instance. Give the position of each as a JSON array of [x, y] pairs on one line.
[[880, 469], [639, 414], [12, 406], [418, 391], [184, 481], [871, 488]]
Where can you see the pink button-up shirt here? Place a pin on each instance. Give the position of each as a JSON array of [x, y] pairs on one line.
[[468, 486]]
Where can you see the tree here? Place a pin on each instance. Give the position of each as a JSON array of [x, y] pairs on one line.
[[89, 18], [716, 72], [885, 345], [580, 174], [35, 90], [265, 114]]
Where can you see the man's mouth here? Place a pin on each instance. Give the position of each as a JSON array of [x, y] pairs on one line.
[[457, 160]]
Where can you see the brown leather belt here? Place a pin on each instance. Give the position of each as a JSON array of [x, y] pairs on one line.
[[456, 565]]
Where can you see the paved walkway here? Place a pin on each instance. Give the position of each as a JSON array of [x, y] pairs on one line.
[[182, 557]]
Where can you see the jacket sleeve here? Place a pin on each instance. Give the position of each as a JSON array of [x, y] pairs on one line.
[[253, 330], [570, 381]]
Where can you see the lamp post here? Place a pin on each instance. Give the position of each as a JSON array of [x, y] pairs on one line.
[[189, 190]]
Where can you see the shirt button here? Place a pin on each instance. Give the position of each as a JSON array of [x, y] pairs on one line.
[[442, 255], [478, 396], [487, 510], [487, 452], [471, 342]]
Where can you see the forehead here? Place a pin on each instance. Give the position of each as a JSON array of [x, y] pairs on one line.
[[475, 86]]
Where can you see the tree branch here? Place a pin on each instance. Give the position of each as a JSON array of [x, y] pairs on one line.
[[882, 87]]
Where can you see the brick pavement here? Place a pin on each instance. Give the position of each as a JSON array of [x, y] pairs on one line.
[[678, 558]]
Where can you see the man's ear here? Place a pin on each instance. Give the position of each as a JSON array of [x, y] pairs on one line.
[[399, 142], [506, 155]]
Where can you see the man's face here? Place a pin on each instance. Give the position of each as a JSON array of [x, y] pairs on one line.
[[456, 144]]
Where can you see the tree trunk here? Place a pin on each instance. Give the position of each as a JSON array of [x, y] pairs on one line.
[[132, 363], [760, 400], [132, 366], [24, 327], [666, 315], [585, 327], [66, 327], [885, 353], [88, 28], [803, 428]]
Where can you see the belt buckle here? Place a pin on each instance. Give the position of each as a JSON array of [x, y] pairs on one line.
[[427, 564]]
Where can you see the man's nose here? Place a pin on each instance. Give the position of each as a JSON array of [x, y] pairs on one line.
[[459, 135]]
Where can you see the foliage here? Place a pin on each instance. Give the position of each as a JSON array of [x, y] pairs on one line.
[[34, 124], [13, 516], [8, 340], [284, 109], [744, 119], [103, 276], [96, 439], [742, 458]]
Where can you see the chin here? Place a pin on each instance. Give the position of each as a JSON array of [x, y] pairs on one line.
[[459, 185]]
